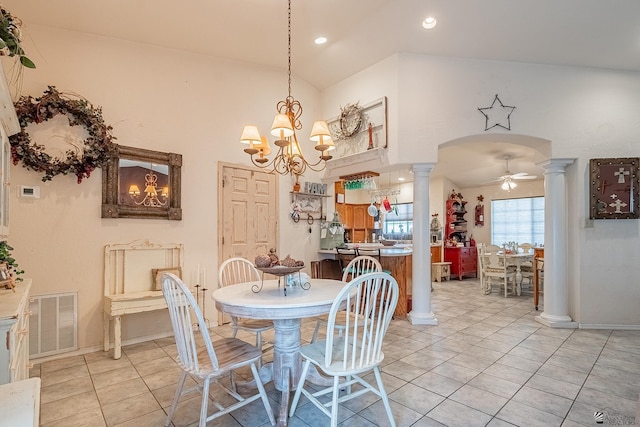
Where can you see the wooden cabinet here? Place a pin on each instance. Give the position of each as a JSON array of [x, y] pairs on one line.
[[464, 261], [14, 330], [356, 220], [348, 216], [436, 253], [361, 217], [400, 266]]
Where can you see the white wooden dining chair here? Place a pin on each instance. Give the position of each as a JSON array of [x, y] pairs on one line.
[[371, 300], [238, 270], [498, 271], [483, 251], [357, 267], [526, 267], [345, 256], [207, 364]]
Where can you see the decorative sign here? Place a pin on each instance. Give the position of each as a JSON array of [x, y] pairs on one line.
[[359, 128], [614, 188], [315, 188]]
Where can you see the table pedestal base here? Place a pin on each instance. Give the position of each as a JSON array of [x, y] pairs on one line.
[[286, 367]]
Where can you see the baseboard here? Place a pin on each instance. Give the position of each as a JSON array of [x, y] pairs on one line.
[[95, 348], [606, 326]]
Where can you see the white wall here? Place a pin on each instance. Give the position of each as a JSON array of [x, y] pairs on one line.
[[585, 113], [175, 101], [159, 99]]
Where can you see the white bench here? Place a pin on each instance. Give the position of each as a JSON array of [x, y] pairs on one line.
[[129, 285]]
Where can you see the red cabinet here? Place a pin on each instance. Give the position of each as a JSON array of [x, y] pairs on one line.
[[464, 261]]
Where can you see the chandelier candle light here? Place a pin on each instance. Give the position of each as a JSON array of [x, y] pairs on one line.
[[151, 197], [289, 158]]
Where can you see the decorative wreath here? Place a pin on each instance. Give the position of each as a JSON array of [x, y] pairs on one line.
[[350, 120], [95, 150]]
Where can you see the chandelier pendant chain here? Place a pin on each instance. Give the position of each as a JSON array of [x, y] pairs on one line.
[[289, 46], [288, 158]]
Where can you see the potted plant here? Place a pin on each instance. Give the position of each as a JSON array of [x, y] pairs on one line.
[[9, 261]]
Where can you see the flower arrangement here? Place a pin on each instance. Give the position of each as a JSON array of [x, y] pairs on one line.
[[96, 148], [10, 38]]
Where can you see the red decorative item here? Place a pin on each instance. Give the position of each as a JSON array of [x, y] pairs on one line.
[[386, 204], [479, 216]]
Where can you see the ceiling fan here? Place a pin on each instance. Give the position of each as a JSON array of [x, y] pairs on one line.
[[508, 179]]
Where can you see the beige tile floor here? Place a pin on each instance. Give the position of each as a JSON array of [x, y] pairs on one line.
[[487, 363]]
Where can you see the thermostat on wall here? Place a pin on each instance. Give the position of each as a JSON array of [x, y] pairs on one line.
[[27, 191]]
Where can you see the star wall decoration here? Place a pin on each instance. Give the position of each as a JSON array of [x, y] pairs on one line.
[[497, 114]]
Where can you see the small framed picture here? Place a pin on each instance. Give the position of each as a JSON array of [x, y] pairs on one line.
[[614, 188], [156, 274]]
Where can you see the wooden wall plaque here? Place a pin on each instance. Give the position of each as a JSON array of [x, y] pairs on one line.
[[614, 188]]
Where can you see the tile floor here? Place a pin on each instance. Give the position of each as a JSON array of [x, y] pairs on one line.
[[487, 363]]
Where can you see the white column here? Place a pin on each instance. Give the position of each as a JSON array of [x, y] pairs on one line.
[[421, 313], [556, 288]]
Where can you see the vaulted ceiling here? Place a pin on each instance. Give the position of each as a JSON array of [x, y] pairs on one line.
[[586, 33]]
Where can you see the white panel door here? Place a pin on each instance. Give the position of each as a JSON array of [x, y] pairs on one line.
[[248, 210], [249, 213]]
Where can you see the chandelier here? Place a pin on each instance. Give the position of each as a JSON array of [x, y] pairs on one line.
[[151, 197], [288, 158]]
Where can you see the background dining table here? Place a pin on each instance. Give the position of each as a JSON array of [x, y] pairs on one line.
[[517, 260], [267, 300]]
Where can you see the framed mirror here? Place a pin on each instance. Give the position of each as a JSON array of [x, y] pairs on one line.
[[140, 183]]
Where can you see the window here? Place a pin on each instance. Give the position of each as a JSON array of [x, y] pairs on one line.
[[517, 220], [398, 224]]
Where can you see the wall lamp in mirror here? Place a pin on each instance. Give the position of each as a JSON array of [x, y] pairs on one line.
[[140, 183]]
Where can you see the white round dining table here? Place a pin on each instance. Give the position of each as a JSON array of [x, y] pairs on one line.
[[286, 311]]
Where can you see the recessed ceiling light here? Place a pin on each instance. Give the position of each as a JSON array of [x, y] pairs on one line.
[[320, 40], [400, 178], [429, 22]]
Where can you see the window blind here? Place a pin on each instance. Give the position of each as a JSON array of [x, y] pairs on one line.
[[517, 220]]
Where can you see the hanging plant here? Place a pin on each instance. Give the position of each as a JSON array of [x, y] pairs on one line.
[[94, 152], [11, 38]]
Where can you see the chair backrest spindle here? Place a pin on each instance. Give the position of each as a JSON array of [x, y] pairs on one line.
[[237, 270], [371, 300], [181, 305]]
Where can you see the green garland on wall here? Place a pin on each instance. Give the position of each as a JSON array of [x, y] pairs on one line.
[[96, 148]]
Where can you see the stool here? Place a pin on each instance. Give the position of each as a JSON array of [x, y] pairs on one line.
[[440, 271]]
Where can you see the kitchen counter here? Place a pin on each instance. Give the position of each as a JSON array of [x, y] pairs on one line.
[[385, 251], [398, 261]]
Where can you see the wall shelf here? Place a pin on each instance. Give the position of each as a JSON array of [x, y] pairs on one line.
[[310, 206]]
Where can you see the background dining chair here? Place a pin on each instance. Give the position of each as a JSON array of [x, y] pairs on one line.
[[207, 364], [372, 252], [497, 271], [357, 267], [238, 270], [345, 255], [370, 300], [483, 251], [539, 287], [526, 267]]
